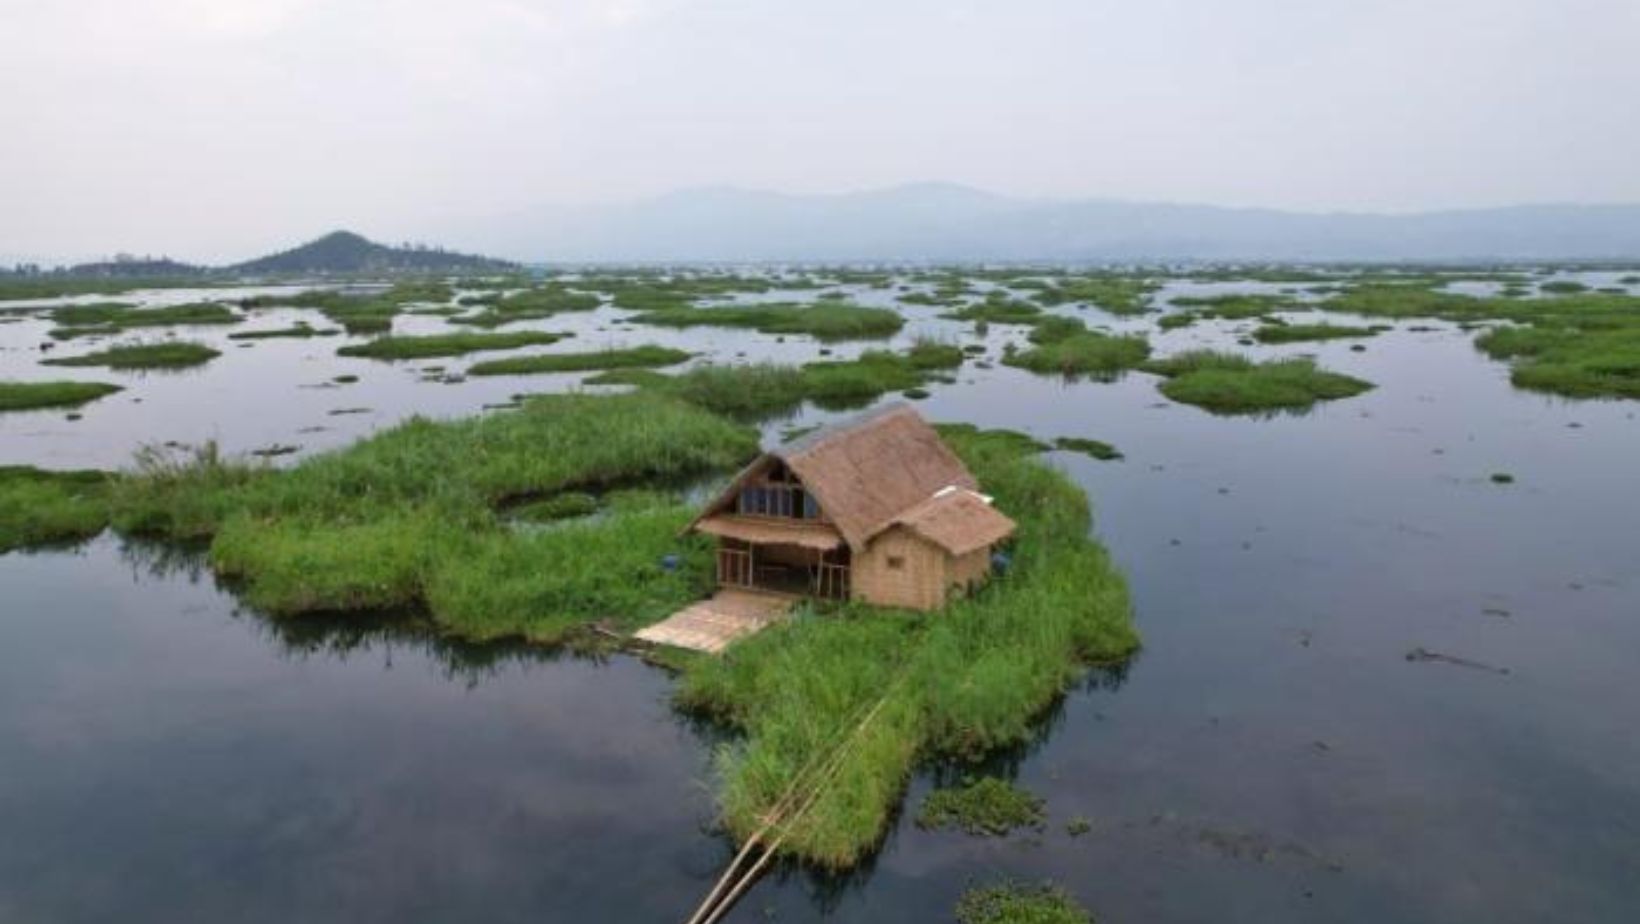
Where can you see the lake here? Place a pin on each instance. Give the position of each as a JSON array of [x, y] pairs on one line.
[[1271, 754]]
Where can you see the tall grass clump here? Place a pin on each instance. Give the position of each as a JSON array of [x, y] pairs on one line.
[[41, 507], [1116, 294], [954, 684], [408, 517], [170, 354], [432, 345], [26, 396], [1227, 383]]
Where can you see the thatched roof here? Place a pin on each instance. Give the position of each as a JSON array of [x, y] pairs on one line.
[[957, 520], [868, 472], [802, 533]]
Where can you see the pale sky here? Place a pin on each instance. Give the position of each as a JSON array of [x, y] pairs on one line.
[[217, 129]]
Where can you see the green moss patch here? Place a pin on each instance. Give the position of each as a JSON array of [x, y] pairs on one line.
[[24, 396], [1096, 449]]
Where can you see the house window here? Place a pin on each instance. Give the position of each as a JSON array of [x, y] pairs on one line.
[[778, 501], [896, 562]]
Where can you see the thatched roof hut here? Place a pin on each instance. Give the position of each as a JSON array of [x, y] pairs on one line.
[[875, 508]]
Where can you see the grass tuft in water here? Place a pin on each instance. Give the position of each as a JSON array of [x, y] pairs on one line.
[[1226, 383], [825, 321], [431, 345], [1299, 333], [1014, 903], [25, 396], [171, 354], [987, 806], [648, 356], [40, 507]]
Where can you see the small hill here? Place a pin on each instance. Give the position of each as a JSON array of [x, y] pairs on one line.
[[128, 267], [346, 252]]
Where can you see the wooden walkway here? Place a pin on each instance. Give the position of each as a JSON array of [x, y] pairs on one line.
[[710, 625]]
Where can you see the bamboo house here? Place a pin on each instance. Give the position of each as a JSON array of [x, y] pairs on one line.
[[876, 509]]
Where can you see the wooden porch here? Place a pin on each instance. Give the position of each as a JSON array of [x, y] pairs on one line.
[[712, 624]]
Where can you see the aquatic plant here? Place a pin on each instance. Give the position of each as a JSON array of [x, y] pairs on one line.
[[1096, 449], [105, 318], [1298, 333], [169, 354], [298, 330], [760, 390], [41, 507], [1117, 294], [24, 396], [647, 356], [987, 805], [431, 345], [1013, 903], [409, 516], [1227, 383], [1064, 346], [825, 321]]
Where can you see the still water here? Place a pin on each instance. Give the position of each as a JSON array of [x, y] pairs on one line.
[[1271, 754]]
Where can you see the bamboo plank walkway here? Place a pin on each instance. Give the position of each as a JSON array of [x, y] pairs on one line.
[[710, 625]]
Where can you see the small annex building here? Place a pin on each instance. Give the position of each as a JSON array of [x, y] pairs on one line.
[[876, 508]]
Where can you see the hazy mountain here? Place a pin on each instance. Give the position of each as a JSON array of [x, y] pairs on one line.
[[946, 222], [346, 252]]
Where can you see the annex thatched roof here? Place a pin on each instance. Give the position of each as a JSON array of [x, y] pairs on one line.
[[957, 520], [868, 472]]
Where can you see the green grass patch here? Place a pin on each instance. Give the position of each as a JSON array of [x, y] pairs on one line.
[[541, 302], [1063, 346], [106, 318], [1299, 333], [1562, 287], [957, 683], [826, 321], [40, 507], [1235, 307], [761, 390], [1120, 295], [27, 396], [986, 806], [411, 517], [1569, 361], [648, 356], [1096, 449], [1226, 383], [295, 331], [171, 354], [1013, 903], [431, 345]]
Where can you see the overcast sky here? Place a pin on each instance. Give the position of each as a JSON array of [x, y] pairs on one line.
[[215, 129]]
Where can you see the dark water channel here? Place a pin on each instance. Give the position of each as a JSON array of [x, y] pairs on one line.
[[1271, 755]]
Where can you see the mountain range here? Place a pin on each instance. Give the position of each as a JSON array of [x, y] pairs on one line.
[[944, 222]]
